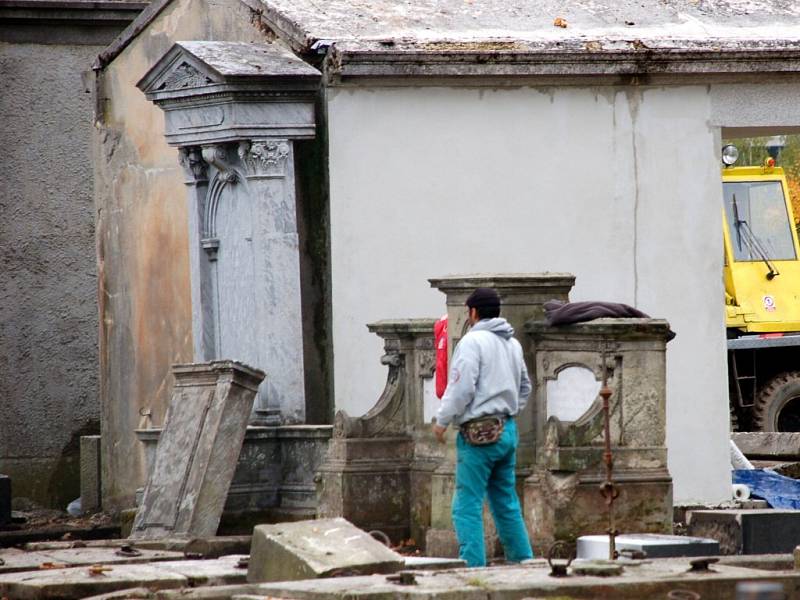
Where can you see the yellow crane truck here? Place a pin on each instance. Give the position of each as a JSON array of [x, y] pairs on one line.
[[762, 296]]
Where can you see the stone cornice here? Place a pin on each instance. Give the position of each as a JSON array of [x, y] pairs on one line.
[[582, 60]]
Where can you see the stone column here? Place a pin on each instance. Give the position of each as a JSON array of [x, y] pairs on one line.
[[522, 297]]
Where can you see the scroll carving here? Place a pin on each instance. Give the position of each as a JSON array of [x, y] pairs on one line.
[[217, 155], [265, 158], [386, 417]]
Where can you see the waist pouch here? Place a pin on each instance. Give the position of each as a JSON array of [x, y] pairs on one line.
[[483, 431]]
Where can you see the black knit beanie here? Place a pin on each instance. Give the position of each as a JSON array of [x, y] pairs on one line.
[[483, 298]]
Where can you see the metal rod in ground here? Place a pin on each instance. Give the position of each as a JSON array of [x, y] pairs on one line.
[[608, 489]]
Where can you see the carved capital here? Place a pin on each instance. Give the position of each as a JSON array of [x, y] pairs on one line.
[[194, 167], [264, 158], [217, 155]]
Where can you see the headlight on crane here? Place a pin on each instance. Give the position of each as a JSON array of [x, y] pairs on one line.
[[730, 154]]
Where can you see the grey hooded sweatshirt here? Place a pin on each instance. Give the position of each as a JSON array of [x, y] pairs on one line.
[[487, 375]]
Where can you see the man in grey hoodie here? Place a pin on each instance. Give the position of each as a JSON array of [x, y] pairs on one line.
[[487, 378]]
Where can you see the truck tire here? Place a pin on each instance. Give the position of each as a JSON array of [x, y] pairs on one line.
[[777, 405]]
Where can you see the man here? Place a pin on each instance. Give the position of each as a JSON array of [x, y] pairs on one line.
[[487, 387]]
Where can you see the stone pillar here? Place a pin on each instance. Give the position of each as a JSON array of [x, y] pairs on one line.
[[561, 496], [522, 297], [234, 110], [372, 460]]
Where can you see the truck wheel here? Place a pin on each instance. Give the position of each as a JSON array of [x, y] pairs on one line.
[[777, 405]]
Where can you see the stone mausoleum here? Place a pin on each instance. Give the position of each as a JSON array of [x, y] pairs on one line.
[[273, 175]]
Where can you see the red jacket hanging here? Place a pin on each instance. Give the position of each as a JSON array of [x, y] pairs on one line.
[[440, 341]]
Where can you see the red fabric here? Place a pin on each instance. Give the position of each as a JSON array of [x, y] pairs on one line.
[[440, 340]]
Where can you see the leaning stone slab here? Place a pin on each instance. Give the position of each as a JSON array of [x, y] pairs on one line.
[[313, 549], [198, 450], [79, 582], [741, 531]]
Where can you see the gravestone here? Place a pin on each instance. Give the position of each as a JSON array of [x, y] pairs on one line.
[[198, 450]]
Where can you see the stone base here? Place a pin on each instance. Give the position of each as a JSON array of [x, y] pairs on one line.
[[367, 481], [769, 531], [564, 507], [275, 470]]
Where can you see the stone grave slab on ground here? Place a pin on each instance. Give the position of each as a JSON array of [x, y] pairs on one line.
[[79, 582], [221, 571], [319, 548], [198, 450], [652, 544], [748, 531], [644, 579]]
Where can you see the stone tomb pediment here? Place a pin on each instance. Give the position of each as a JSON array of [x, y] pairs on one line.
[[215, 92]]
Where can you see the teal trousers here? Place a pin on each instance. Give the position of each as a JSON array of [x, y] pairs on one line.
[[489, 471]]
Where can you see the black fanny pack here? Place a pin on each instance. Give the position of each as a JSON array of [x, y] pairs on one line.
[[483, 430]]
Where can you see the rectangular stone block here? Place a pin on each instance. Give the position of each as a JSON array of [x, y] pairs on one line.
[[313, 549], [90, 473], [767, 531], [653, 545], [197, 450], [772, 444], [5, 499]]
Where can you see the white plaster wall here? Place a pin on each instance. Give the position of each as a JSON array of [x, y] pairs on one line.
[[619, 187]]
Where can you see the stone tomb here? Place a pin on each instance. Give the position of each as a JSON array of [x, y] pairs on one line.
[[559, 464], [234, 109], [561, 496], [198, 450]]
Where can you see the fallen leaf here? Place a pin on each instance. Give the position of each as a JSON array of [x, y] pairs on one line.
[[560, 22]]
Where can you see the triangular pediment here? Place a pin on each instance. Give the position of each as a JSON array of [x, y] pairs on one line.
[[206, 66], [178, 70]]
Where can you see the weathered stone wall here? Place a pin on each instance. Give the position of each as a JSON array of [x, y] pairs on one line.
[[142, 235], [48, 290]]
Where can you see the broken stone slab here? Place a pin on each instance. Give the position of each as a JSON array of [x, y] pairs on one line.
[[653, 545], [198, 450], [314, 549], [79, 582], [768, 531], [759, 444]]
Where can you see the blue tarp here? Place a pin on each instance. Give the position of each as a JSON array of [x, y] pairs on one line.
[[777, 490]]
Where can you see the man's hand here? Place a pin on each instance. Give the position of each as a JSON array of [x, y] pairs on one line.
[[438, 431]]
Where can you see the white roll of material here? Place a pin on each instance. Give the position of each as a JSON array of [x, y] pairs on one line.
[[740, 491]]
